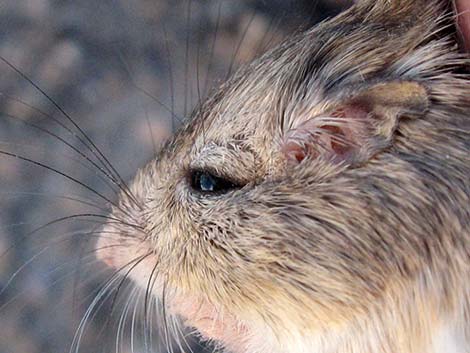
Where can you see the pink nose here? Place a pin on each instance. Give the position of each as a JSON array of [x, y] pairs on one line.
[[106, 247], [108, 260]]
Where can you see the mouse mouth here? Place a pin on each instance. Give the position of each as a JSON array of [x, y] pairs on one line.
[[212, 322]]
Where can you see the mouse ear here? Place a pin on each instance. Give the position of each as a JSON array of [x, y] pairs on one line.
[[357, 128]]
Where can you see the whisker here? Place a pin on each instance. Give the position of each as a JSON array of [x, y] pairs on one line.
[[18, 271], [62, 219], [64, 238], [240, 43], [56, 269], [149, 95], [149, 287], [260, 45], [180, 336], [72, 133], [100, 294], [80, 259], [274, 30], [168, 344], [81, 327], [171, 77], [113, 302], [56, 171], [80, 153], [133, 321], [69, 118], [54, 196], [122, 320], [186, 57], [47, 154], [198, 54], [152, 137], [214, 40], [146, 92], [152, 322], [118, 289]]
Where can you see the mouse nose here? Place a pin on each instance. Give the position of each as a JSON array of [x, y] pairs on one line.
[[120, 247], [106, 242]]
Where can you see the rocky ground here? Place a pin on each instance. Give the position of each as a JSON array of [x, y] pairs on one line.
[[117, 67]]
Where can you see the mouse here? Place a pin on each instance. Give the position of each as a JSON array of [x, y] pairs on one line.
[[318, 200]]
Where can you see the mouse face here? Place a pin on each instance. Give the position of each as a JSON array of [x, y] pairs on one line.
[[316, 202]]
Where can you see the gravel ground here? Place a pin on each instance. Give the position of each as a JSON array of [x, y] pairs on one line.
[[117, 67]]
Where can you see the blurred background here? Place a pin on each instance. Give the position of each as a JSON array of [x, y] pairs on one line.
[[117, 68]]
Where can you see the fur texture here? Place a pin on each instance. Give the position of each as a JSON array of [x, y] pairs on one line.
[[327, 254]]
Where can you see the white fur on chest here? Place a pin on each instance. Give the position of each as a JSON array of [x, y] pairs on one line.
[[447, 340]]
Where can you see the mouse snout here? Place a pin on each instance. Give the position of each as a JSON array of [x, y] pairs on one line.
[[104, 247], [119, 246]]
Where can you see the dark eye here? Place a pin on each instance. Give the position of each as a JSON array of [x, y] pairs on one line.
[[207, 182]]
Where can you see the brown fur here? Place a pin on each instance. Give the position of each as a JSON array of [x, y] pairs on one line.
[[368, 254]]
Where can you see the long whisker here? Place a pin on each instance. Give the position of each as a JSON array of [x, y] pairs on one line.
[[152, 322], [19, 270], [54, 196], [180, 336], [214, 40], [122, 320], [46, 154], [69, 157], [80, 153], [240, 43], [134, 319], [170, 74], [106, 170], [49, 247], [151, 96], [99, 297], [152, 137], [148, 289], [56, 171], [118, 290], [27, 263], [81, 327], [260, 45], [168, 343], [69, 118], [81, 257], [113, 302], [274, 29], [198, 55], [186, 57], [147, 93], [86, 216]]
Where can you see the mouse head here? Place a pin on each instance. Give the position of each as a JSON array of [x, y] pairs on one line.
[[293, 201]]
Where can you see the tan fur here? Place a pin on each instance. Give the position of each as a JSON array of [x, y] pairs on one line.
[[364, 257]]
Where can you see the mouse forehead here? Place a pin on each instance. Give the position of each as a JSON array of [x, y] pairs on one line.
[[303, 77], [242, 117], [250, 108]]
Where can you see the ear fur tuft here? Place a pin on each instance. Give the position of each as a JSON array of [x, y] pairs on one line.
[[358, 128]]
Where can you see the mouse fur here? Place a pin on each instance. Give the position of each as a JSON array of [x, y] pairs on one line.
[[346, 225]]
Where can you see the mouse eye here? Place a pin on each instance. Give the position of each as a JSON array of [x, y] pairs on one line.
[[207, 182]]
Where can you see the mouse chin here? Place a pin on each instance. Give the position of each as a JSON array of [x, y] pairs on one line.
[[212, 323]]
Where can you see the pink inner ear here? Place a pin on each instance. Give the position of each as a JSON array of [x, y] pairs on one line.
[[336, 136]]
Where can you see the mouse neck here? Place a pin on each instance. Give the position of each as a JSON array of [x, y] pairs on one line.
[[420, 321]]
